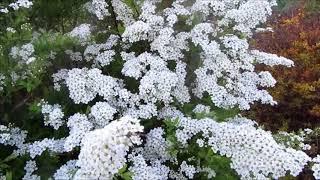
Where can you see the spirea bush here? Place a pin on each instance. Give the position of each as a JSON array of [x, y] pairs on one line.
[[141, 90]]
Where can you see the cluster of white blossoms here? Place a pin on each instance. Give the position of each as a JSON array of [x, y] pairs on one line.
[[295, 140], [253, 152], [79, 126], [167, 58], [141, 170], [21, 4], [52, 114], [85, 84], [74, 56], [82, 33], [17, 5], [200, 108], [101, 54], [36, 148], [102, 113], [103, 151], [30, 168], [66, 171], [316, 167], [2, 83], [99, 8], [12, 136], [10, 29], [24, 53], [123, 12]]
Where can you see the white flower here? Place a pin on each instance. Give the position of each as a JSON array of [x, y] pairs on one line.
[[24, 53], [30, 168], [82, 33], [99, 8], [10, 29], [21, 4], [102, 113], [52, 114], [105, 57], [79, 126], [136, 32], [66, 171], [200, 108], [2, 82], [103, 151], [247, 147]]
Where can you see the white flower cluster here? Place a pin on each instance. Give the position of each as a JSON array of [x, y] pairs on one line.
[[294, 140], [85, 84], [21, 4], [12, 136], [105, 57], [157, 83], [250, 14], [30, 168], [102, 113], [66, 171], [93, 52], [99, 8], [142, 171], [103, 151], [316, 167], [123, 12], [170, 112], [53, 114], [2, 84], [74, 56], [38, 147], [58, 78], [82, 33], [79, 126], [24, 53], [155, 147], [200, 108], [137, 32], [253, 152], [17, 5], [10, 29], [188, 170], [270, 59]]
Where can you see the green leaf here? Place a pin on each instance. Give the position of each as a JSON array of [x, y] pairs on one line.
[[127, 175], [123, 169], [10, 157], [9, 175]]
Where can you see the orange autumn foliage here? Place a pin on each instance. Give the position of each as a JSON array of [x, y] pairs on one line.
[[296, 35]]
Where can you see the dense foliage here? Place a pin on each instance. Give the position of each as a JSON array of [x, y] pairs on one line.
[[146, 89], [296, 35]]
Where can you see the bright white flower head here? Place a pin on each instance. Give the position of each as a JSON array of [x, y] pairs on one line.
[[82, 33], [102, 113], [53, 114], [30, 168], [21, 4], [79, 126], [66, 171], [107, 148], [99, 8], [23, 53]]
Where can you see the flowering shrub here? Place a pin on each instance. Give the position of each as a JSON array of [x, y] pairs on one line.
[[148, 90]]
